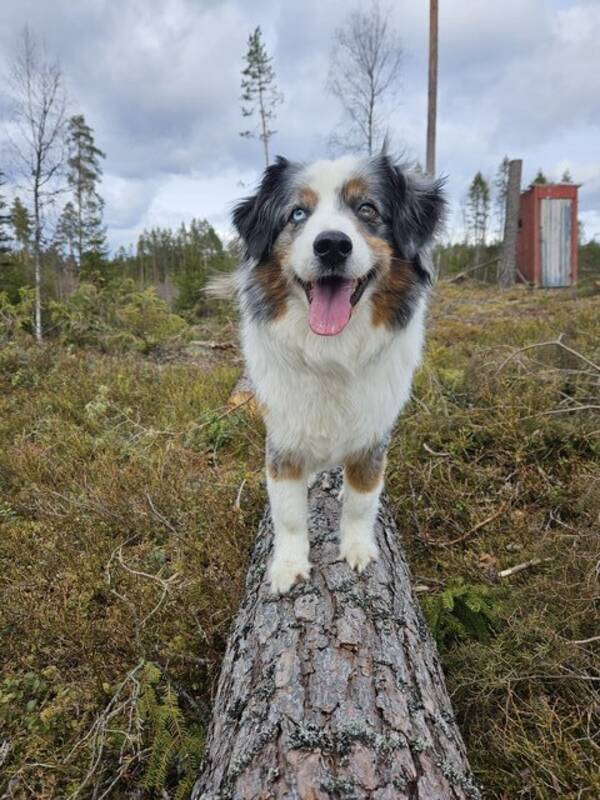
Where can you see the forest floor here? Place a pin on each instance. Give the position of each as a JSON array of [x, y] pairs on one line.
[[130, 491]]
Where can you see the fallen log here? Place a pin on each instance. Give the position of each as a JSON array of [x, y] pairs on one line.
[[334, 690]]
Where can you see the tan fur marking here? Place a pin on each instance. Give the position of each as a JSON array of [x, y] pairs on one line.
[[397, 281], [382, 251], [285, 468], [353, 190], [364, 471], [308, 197], [274, 283]]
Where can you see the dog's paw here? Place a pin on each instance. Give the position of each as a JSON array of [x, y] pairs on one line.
[[284, 573], [359, 551]]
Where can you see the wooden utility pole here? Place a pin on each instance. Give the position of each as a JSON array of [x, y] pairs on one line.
[[335, 689], [432, 89], [508, 262]]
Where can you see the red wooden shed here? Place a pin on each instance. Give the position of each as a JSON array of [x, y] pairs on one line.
[[547, 242]]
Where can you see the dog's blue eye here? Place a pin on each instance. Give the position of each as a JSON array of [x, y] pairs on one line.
[[298, 214]]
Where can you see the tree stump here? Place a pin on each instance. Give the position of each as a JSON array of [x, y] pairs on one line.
[[334, 690], [508, 261]]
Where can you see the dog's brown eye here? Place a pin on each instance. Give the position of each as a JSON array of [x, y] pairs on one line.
[[367, 211]]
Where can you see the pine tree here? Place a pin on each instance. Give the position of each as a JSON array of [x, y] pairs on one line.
[[540, 178], [82, 219], [4, 227], [66, 234], [22, 227], [259, 91], [15, 249], [566, 177], [477, 212], [501, 185]]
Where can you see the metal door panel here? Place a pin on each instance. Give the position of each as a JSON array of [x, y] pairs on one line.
[[555, 233]]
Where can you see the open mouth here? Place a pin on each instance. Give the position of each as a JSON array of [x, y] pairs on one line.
[[330, 302]]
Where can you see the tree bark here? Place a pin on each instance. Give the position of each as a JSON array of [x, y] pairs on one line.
[[508, 262], [334, 690]]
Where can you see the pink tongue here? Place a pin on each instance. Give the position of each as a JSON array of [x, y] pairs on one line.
[[330, 307]]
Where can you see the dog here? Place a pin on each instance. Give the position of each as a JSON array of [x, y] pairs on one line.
[[332, 291]]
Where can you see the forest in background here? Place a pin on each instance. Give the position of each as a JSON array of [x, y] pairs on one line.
[[53, 239]]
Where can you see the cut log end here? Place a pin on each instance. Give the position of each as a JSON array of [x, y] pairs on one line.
[[334, 690]]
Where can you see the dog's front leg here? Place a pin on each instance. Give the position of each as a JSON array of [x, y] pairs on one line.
[[363, 482], [287, 487]]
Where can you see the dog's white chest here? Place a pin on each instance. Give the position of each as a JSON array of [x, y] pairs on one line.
[[327, 399]]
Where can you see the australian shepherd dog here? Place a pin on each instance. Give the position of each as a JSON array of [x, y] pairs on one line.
[[332, 292]]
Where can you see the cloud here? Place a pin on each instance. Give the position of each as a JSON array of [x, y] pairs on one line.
[[159, 81]]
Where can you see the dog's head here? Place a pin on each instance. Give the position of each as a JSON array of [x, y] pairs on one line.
[[337, 233]]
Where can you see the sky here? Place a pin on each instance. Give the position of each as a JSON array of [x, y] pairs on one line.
[[159, 82]]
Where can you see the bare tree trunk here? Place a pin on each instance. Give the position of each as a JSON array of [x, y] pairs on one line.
[[37, 313], [370, 120], [264, 125], [334, 690], [508, 263], [477, 259], [432, 88], [37, 260]]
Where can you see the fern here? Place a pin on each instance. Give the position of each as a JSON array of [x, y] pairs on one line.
[[175, 746], [462, 611]]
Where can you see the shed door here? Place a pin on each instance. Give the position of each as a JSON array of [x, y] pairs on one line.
[[556, 241]]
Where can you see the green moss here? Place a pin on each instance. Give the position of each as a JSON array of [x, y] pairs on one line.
[[118, 480], [483, 475]]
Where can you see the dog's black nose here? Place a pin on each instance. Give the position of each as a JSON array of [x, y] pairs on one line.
[[332, 248]]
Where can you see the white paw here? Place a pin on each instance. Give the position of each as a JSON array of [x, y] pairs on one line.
[[284, 573], [359, 552]]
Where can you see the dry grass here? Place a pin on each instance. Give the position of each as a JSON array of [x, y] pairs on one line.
[[496, 464], [123, 551]]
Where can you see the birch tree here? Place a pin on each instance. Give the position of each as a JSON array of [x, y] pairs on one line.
[[364, 72], [37, 143]]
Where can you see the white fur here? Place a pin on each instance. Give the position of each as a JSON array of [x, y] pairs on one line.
[[327, 397], [326, 178], [290, 558], [359, 512]]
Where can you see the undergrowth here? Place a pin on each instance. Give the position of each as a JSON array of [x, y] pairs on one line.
[[495, 464], [460, 612], [129, 496]]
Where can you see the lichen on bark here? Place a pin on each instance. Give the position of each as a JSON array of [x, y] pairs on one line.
[[334, 690]]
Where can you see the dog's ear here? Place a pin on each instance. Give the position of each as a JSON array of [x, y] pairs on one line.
[[260, 219], [416, 206]]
